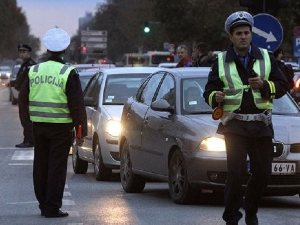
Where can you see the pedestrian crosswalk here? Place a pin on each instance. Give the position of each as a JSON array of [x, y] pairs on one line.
[[20, 156]]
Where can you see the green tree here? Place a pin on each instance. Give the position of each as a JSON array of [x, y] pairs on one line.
[[14, 30]]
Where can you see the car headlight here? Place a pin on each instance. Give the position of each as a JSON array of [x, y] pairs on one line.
[[113, 128], [213, 144]]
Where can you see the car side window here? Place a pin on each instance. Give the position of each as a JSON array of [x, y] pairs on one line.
[[167, 90], [149, 89], [93, 88]]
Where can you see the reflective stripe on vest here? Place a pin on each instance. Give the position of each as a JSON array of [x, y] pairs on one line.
[[234, 86], [47, 98]]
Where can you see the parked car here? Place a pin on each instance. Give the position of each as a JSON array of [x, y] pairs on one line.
[[5, 72], [104, 96], [168, 136], [13, 93]]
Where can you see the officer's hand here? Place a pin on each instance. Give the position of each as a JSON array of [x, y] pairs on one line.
[[256, 83], [79, 141], [220, 96]]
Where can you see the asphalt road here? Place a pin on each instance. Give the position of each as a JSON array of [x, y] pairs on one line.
[[90, 202]]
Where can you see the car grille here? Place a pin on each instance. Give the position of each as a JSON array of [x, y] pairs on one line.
[[278, 149], [295, 148], [220, 178]]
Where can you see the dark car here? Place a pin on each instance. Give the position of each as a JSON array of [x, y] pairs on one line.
[[168, 134]]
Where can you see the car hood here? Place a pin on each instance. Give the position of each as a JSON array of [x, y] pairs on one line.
[[286, 129], [114, 111], [206, 122]]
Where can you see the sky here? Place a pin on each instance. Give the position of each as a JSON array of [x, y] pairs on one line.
[[43, 15]]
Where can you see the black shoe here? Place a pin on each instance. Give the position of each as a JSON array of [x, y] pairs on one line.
[[42, 213], [56, 215], [25, 145], [231, 223], [251, 219]]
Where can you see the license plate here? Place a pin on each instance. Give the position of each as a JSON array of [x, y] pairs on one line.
[[283, 168]]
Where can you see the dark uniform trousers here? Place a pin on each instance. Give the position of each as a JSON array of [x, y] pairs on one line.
[[260, 151], [51, 150], [26, 123]]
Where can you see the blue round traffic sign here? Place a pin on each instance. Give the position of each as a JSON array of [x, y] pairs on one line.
[[267, 32]]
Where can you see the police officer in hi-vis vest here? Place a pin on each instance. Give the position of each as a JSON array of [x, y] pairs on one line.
[[53, 92], [243, 81]]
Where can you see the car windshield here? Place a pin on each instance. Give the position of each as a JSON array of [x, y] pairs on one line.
[[194, 103], [120, 87], [192, 100], [5, 68], [285, 105]]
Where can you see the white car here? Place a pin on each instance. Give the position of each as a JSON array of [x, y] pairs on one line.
[[105, 95], [5, 72]]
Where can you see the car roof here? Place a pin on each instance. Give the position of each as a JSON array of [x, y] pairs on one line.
[[124, 70], [187, 72]]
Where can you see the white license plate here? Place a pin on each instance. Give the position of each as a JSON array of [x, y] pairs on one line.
[[283, 168]]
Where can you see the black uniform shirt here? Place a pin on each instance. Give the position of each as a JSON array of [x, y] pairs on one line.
[[23, 72], [74, 96]]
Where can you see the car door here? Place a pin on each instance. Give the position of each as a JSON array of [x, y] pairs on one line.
[[157, 130], [135, 118], [92, 91]]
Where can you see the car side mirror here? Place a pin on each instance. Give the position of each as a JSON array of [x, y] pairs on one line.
[[162, 105], [89, 101]]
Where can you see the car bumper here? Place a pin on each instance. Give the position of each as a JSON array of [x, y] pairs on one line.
[[211, 174]]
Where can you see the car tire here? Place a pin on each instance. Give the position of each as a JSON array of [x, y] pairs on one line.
[[180, 190], [79, 166], [102, 173], [131, 182]]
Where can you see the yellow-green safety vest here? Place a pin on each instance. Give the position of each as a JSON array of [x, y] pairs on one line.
[[234, 86], [47, 98]]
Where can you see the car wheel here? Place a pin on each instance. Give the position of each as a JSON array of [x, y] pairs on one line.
[[79, 166], [102, 173], [131, 182], [180, 190]]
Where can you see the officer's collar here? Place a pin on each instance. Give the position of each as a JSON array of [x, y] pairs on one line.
[[231, 54], [57, 59]]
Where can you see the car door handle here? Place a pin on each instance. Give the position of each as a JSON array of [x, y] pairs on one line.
[[146, 121]]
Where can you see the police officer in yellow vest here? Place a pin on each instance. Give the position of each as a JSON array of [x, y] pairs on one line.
[[56, 106], [244, 80]]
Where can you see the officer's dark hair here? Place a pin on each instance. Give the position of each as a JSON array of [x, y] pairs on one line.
[[201, 46]]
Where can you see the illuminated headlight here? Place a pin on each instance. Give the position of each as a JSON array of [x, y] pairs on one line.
[[213, 144], [8, 74], [113, 128]]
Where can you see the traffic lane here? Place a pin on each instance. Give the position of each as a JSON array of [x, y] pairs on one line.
[[107, 203]]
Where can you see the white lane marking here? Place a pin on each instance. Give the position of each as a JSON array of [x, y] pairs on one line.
[[23, 155], [67, 193], [12, 148], [20, 164], [15, 203], [68, 202]]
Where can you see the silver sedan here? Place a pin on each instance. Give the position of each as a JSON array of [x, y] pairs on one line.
[[105, 95], [168, 134]]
